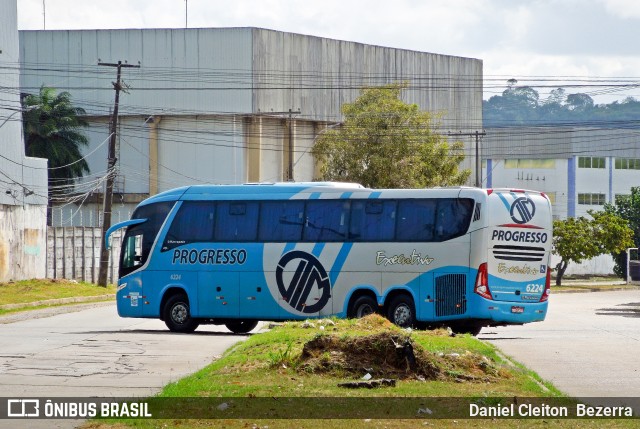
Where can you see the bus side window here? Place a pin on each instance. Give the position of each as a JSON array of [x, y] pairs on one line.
[[326, 220], [453, 218], [416, 220], [237, 221], [192, 224], [281, 221], [373, 220]]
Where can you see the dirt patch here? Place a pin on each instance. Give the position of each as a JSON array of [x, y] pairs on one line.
[[391, 354], [383, 355]]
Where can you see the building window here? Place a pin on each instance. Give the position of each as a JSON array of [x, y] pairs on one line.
[[530, 163], [592, 199], [591, 162], [627, 164]]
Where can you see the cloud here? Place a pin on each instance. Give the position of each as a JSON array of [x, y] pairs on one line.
[[626, 9]]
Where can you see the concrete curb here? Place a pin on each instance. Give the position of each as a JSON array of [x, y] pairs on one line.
[[58, 301], [589, 290]]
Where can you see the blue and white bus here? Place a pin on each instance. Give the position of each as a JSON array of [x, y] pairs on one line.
[[237, 254]]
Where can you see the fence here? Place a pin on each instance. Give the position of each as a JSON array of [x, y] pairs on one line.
[[74, 253]]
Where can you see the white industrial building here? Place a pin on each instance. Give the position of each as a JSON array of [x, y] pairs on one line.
[[23, 180], [579, 168], [229, 105]]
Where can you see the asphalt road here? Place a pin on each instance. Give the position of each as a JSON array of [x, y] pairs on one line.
[[588, 346], [94, 352]]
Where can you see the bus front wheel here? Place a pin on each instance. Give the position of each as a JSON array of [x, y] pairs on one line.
[[241, 326], [177, 315], [402, 311]]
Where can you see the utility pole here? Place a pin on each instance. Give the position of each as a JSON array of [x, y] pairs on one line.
[[290, 137], [111, 163], [477, 134], [290, 169]]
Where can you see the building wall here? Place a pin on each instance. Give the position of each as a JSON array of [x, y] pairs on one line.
[[23, 180], [181, 70], [221, 97], [552, 181], [22, 242], [318, 75]]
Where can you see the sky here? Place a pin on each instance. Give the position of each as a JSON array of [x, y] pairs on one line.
[[542, 43]]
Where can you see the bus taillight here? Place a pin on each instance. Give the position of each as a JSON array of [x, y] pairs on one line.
[[482, 282], [547, 287]]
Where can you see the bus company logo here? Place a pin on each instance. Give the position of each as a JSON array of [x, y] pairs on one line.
[[308, 274], [522, 210]]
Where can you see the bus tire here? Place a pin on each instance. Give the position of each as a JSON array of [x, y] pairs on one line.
[[467, 328], [402, 311], [241, 326], [177, 314], [362, 306]]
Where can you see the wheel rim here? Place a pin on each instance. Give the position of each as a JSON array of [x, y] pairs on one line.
[[179, 313], [402, 315], [364, 310]]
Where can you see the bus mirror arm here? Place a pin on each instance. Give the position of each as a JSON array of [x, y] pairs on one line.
[[120, 225]]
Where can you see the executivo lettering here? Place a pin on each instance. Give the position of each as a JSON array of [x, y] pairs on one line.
[[414, 258]]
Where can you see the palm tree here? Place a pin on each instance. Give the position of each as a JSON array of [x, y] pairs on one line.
[[52, 130]]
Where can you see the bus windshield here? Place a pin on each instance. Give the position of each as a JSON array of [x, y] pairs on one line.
[[139, 238]]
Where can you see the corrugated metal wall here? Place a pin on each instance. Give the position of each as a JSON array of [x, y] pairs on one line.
[[318, 75], [182, 71], [559, 142], [210, 105]]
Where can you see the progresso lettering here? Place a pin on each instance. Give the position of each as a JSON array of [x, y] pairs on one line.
[[520, 236], [209, 256]]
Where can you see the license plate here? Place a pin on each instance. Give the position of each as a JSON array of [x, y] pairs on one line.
[[516, 309]]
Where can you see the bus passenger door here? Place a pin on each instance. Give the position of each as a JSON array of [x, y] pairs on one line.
[[256, 301], [218, 294]]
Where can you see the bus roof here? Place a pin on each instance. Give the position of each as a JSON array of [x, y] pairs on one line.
[[251, 190]]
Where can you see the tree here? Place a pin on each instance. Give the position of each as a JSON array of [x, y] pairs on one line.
[[386, 143], [577, 239], [52, 131], [579, 102], [628, 208]]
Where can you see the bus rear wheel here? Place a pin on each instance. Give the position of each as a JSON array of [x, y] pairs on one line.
[[362, 306], [177, 315], [241, 326], [466, 328], [402, 311]]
